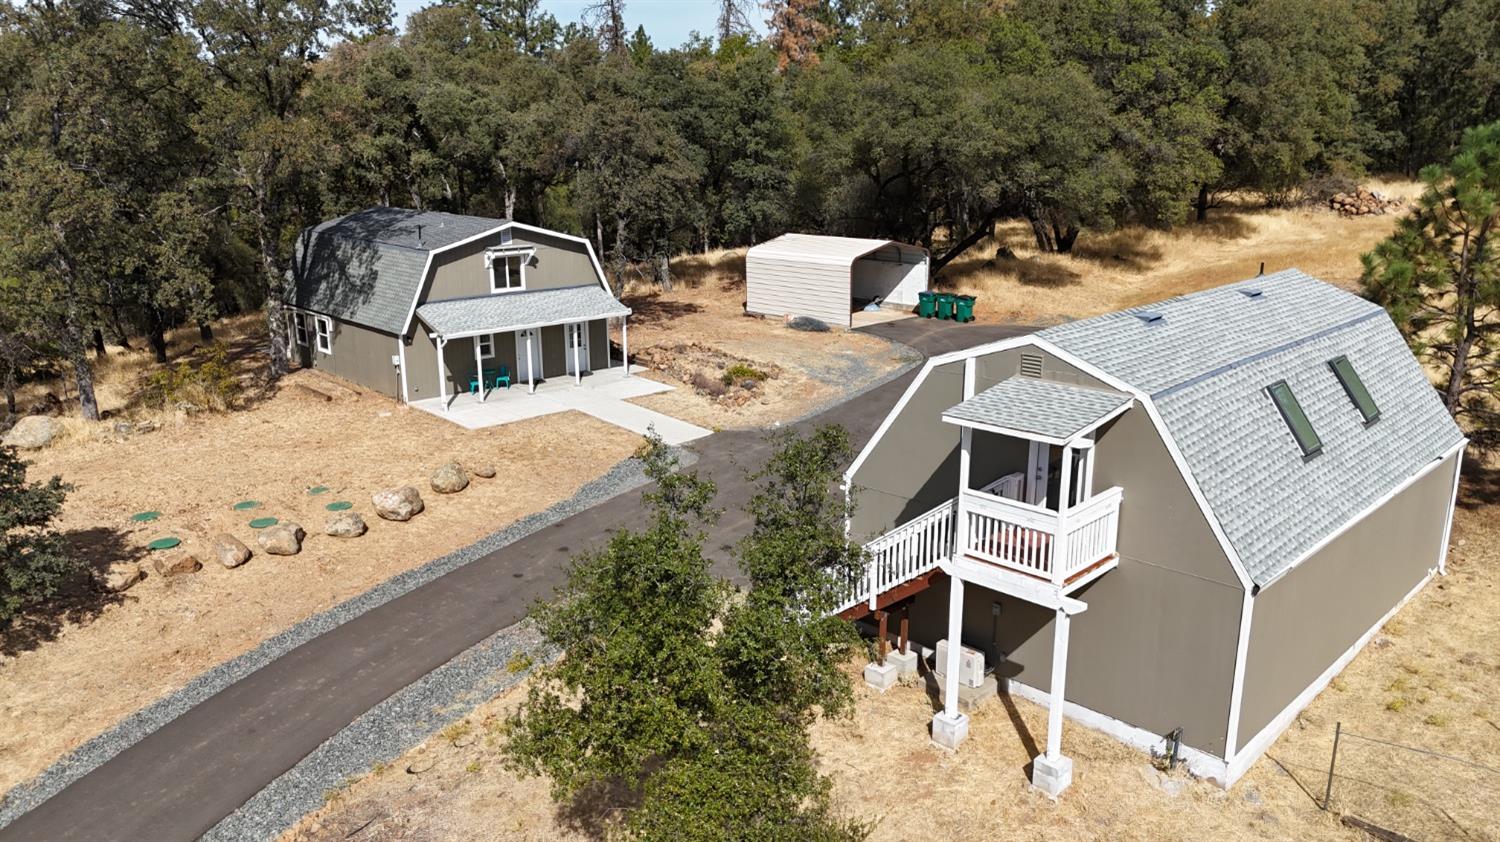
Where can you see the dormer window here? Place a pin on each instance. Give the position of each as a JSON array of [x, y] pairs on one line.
[[507, 267]]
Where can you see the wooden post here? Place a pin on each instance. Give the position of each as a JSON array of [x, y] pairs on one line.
[[881, 616], [1338, 730], [905, 616]]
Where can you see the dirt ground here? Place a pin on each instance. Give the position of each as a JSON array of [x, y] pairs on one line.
[[67, 674], [1441, 654], [1134, 265], [707, 307]]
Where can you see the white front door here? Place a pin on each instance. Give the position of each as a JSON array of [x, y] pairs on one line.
[[578, 347], [533, 339]]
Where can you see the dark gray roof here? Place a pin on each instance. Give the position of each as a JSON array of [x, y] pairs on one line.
[[1206, 364], [367, 267], [1038, 407], [508, 310]]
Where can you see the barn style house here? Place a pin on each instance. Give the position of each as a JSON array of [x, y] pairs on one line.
[[424, 306], [1182, 519]]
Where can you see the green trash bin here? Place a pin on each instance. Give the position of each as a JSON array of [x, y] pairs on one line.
[[945, 305], [926, 307], [963, 308]]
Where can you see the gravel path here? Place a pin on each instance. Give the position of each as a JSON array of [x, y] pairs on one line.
[[623, 477]]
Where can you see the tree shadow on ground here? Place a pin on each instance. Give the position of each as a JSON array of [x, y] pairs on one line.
[[1480, 486], [246, 357], [652, 309], [596, 810], [79, 600]]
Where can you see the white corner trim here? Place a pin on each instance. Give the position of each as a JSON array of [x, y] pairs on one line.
[[1375, 506], [401, 354], [1237, 691], [1200, 763], [1458, 469], [1241, 761]]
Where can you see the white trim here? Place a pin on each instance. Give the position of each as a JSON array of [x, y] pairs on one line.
[[1458, 468], [1237, 689], [300, 334], [405, 381], [1242, 760], [598, 269], [465, 334], [524, 346], [1061, 622], [1369, 510], [486, 339], [1041, 437], [1200, 763], [416, 295], [323, 330], [521, 256]]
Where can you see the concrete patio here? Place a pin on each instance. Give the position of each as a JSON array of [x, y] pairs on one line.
[[602, 394]]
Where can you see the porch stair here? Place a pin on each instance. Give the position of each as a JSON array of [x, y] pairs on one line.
[[902, 562]]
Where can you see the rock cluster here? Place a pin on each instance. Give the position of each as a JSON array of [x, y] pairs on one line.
[[1362, 202]]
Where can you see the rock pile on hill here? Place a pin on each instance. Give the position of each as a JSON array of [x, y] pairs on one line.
[[1362, 202]]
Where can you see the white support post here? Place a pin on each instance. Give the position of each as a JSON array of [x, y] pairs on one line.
[[530, 364], [625, 343], [479, 370], [950, 727], [442, 375], [965, 456], [1060, 540], [1086, 453], [577, 340], [1052, 772]]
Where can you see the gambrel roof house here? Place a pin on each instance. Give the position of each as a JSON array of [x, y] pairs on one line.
[[377, 297], [1219, 498]]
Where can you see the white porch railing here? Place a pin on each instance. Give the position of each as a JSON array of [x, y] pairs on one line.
[[1026, 538], [908, 551]]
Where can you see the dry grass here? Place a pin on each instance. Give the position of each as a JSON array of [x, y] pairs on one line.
[[68, 674], [1134, 265], [1444, 646], [707, 307]]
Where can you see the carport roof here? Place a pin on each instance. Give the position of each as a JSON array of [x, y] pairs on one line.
[[513, 310], [824, 249], [1043, 410]]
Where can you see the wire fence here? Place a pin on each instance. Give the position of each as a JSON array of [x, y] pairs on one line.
[[1397, 791]]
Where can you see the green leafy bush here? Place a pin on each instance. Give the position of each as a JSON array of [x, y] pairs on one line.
[[209, 384], [33, 560], [740, 372]]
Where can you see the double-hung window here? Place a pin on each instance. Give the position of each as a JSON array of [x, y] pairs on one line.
[[325, 334], [487, 346], [299, 327], [1295, 418], [507, 272]]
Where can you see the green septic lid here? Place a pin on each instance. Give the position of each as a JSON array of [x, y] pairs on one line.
[[318, 489], [263, 522], [246, 504], [145, 517], [166, 543], [339, 506]]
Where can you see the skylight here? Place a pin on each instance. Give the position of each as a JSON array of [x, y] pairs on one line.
[[1355, 388], [1295, 418]]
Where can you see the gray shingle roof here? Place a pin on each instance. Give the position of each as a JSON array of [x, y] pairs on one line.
[[509, 310], [1207, 364], [1038, 407], [366, 267]]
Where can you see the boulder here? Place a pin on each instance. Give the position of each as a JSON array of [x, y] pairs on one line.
[[397, 503], [484, 471], [31, 432], [345, 525], [178, 564], [281, 539], [450, 479], [122, 579], [229, 550]]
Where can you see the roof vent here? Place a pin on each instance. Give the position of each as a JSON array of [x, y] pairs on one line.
[[1031, 365], [1149, 316], [1252, 292]]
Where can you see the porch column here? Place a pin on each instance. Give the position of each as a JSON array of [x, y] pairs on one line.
[[577, 367], [530, 364], [1086, 453], [625, 343], [479, 370], [1064, 495], [442, 376], [1051, 772], [951, 727], [961, 521]]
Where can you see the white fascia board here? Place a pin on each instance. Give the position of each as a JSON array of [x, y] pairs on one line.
[[588, 246], [1004, 431], [1371, 509], [411, 311], [465, 334], [1237, 691]]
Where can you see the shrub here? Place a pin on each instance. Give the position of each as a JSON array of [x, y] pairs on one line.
[[740, 372], [33, 560], [210, 384], [705, 385]]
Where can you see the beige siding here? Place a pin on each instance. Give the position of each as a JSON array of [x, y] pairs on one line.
[[1312, 615], [461, 273], [780, 287], [360, 354], [599, 344]]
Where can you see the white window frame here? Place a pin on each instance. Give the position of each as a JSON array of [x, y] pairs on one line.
[[500, 269], [486, 346], [299, 328], [324, 334]]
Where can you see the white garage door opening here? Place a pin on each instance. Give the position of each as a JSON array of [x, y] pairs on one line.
[[830, 278]]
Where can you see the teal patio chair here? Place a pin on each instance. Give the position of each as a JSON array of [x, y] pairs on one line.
[[503, 377], [474, 385]]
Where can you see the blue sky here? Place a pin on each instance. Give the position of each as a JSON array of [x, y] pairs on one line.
[[668, 22]]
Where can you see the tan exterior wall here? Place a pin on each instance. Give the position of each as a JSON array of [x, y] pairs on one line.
[[360, 355], [599, 344], [460, 272], [1306, 620], [421, 358]]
